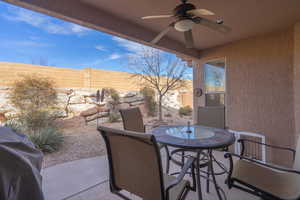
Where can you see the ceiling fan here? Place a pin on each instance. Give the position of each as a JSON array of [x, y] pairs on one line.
[[186, 16]]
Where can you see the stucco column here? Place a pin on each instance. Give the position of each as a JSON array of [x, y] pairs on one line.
[[197, 83], [297, 79]]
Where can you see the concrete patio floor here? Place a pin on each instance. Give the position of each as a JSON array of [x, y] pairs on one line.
[[87, 179]]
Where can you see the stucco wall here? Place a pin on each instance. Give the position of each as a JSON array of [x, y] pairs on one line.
[[297, 78], [259, 87]]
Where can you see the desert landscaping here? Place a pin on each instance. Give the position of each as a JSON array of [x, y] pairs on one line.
[[78, 111]]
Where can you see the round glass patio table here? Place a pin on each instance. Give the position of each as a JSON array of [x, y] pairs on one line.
[[196, 138], [193, 137]]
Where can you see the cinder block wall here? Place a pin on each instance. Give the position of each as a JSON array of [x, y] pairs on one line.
[[82, 78]]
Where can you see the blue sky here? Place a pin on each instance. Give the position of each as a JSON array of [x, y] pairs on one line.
[[28, 37]]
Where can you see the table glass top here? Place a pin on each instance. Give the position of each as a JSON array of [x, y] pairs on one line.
[[192, 132]]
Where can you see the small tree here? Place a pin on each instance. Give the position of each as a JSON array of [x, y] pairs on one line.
[[160, 72]]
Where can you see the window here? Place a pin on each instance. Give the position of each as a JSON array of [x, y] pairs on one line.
[[214, 78]]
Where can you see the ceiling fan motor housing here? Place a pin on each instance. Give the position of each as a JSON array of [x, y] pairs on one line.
[[181, 10]]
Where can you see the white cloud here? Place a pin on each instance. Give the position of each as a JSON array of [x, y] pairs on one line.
[[24, 43], [46, 23], [133, 48], [100, 48], [130, 46], [114, 56]]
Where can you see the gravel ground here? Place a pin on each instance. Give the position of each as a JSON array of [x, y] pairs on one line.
[[84, 141]]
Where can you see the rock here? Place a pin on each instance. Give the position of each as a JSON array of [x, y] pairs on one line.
[[10, 115], [64, 91], [101, 115], [130, 94], [76, 100], [4, 108], [136, 103], [76, 109], [123, 106], [2, 118], [93, 111], [62, 97], [61, 114], [85, 93], [132, 99]]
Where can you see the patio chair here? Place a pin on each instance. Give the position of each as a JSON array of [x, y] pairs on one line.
[[262, 179], [135, 166], [133, 121], [212, 116]]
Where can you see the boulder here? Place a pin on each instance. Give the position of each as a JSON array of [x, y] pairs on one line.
[[10, 115], [123, 106], [64, 91], [136, 103], [62, 98], [100, 115], [76, 100], [76, 109], [92, 111], [132, 99], [85, 93], [61, 113], [130, 94]]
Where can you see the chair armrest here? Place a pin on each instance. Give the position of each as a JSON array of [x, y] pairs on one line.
[[283, 169], [243, 141], [189, 164]]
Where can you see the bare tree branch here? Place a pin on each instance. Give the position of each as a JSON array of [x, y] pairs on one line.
[[154, 69]]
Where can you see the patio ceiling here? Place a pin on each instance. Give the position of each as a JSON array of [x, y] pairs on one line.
[[123, 18]]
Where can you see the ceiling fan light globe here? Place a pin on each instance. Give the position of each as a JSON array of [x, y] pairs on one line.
[[184, 25]]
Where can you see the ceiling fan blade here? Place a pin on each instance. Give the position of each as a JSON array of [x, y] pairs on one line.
[[162, 33], [189, 40], [200, 12], [157, 16], [212, 25]]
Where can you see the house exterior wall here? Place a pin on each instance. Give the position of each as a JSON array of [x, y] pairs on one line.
[[259, 87], [297, 79]]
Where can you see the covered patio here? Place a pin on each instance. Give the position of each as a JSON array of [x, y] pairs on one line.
[[262, 70], [88, 179]]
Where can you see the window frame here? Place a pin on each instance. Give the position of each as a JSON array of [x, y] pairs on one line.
[[205, 92]]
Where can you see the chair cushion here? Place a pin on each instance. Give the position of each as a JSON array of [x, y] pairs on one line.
[[280, 184], [176, 191]]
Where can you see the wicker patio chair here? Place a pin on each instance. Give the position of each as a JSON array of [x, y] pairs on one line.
[[135, 166], [265, 180], [133, 121]]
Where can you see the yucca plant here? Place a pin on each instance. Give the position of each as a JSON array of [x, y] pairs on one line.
[[48, 139], [14, 125]]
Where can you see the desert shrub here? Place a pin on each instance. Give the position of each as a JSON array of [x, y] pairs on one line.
[[185, 111], [33, 93], [14, 125], [35, 99], [113, 94], [114, 117], [36, 121], [149, 98], [48, 139], [36, 102]]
